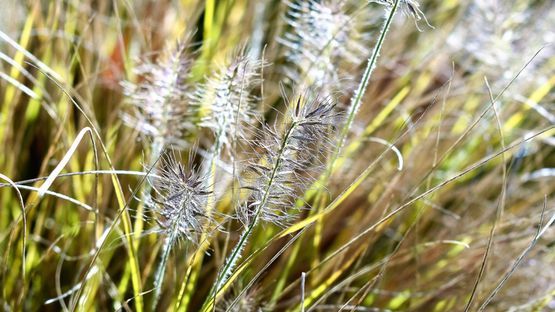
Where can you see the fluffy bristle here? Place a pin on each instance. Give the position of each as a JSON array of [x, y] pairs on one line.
[[322, 37], [495, 39], [181, 195], [228, 94], [158, 100], [291, 157]]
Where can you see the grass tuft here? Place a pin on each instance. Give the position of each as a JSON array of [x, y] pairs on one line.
[[277, 155]]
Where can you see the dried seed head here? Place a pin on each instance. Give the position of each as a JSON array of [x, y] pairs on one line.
[[322, 38], [496, 38], [290, 159], [228, 95], [180, 201], [159, 99]]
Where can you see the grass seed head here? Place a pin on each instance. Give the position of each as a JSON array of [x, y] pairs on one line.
[[497, 37], [322, 36], [180, 201], [158, 100], [228, 94], [291, 157], [410, 8]]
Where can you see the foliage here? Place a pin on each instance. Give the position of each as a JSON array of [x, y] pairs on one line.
[[277, 155]]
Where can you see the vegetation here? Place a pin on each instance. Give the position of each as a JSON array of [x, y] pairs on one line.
[[277, 155]]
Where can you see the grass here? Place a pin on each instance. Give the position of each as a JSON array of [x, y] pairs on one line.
[[276, 155]]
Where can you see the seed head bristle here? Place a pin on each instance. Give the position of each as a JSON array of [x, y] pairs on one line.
[[322, 37], [290, 159], [237, 301], [180, 201], [496, 37], [228, 94], [409, 8], [158, 100]]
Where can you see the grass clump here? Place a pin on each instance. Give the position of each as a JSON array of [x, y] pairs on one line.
[[277, 155]]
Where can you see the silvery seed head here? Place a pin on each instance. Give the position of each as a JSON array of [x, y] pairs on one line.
[[291, 156], [496, 38], [158, 100], [228, 96], [180, 201], [322, 38]]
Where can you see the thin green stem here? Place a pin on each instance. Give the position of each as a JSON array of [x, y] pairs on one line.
[[356, 101], [161, 270]]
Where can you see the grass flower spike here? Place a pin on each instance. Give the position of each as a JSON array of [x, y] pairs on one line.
[[227, 93], [179, 209], [159, 100], [159, 108], [288, 154], [497, 35], [410, 8], [322, 37], [181, 195], [282, 172]]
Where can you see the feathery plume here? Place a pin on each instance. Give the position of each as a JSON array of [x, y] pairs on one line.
[[409, 8], [179, 203], [323, 36], [179, 209], [228, 94], [159, 111], [496, 35], [281, 172], [159, 100]]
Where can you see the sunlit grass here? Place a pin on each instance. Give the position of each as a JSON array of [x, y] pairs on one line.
[[277, 155]]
